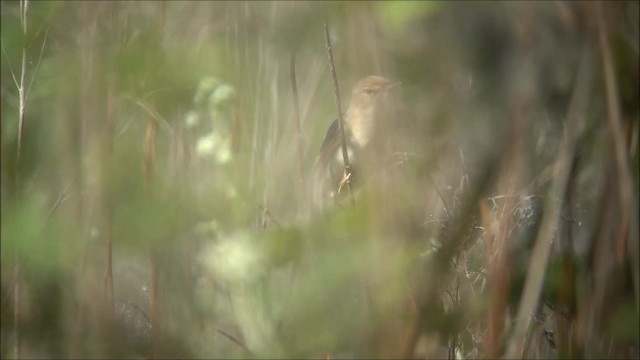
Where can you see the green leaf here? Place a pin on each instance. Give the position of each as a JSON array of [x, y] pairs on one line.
[[397, 14]]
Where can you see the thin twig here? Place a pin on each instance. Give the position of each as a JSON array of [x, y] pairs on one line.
[[108, 280], [148, 108], [444, 202], [551, 213], [268, 214], [230, 337], [61, 198], [296, 115], [24, 11], [24, 6], [35, 72], [345, 155], [107, 160], [149, 163], [150, 160], [13, 74], [614, 122], [452, 241]]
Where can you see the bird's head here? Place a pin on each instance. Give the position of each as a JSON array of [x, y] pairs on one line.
[[363, 112], [367, 91]]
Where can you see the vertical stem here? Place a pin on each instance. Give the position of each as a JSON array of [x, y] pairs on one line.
[[108, 280], [296, 113], [16, 310], [614, 122], [499, 261], [154, 305], [109, 207], [345, 154], [551, 212], [149, 152], [149, 166], [24, 11], [108, 165], [149, 162]]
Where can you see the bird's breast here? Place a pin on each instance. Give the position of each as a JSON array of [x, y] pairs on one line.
[[360, 126]]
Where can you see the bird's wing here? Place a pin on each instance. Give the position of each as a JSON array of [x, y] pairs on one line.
[[330, 144], [321, 177], [331, 136]]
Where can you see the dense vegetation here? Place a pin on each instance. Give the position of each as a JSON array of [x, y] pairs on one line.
[[155, 169]]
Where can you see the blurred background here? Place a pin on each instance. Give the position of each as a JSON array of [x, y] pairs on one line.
[[156, 160]]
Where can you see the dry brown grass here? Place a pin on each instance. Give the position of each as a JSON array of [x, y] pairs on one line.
[[155, 158]]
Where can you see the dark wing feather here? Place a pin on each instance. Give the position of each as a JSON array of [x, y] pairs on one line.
[[321, 175], [330, 144], [331, 136]]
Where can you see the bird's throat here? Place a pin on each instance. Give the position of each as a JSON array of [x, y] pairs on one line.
[[360, 125]]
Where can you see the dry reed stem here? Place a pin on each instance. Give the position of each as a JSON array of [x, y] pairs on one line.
[[629, 209], [296, 117], [336, 91], [451, 241], [551, 212], [109, 206], [149, 159], [24, 10]]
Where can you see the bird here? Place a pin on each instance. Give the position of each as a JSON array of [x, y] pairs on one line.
[[362, 121]]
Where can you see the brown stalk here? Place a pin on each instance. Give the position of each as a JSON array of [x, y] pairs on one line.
[[452, 241], [107, 164], [499, 264], [109, 209], [296, 116], [336, 91], [498, 259], [551, 212], [24, 10], [149, 166], [566, 309], [600, 255], [616, 134]]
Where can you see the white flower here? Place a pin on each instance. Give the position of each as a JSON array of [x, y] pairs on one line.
[[234, 259], [192, 119]]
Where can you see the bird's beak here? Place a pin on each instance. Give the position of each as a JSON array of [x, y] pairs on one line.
[[391, 85]]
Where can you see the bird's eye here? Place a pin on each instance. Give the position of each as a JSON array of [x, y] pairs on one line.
[[369, 91]]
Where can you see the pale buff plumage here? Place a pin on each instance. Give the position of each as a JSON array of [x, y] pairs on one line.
[[359, 125]]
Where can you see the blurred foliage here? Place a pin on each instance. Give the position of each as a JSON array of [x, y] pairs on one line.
[[49, 247], [160, 152], [397, 15]]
